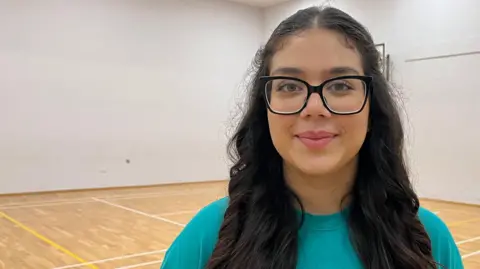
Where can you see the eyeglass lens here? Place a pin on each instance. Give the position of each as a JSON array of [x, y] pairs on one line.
[[340, 95]]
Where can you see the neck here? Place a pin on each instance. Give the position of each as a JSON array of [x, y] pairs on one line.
[[322, 194]]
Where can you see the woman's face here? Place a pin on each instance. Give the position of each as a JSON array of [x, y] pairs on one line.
[[315, 56]]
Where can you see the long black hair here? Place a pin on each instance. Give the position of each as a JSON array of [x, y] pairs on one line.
[[260, 226]]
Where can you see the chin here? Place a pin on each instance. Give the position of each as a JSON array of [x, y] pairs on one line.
[[317, 167], [316, 171]]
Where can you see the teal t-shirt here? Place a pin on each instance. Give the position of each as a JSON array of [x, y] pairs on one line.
[[195, 244]]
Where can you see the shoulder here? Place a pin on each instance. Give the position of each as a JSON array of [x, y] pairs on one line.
[[192, 248], [444, 248], [435, 226], [432, 222], [208, 220]]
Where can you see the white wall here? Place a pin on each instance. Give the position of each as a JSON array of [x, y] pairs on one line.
[[86, 85], [441, 94]]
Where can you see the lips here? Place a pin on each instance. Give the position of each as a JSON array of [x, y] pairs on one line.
[[316, 139]]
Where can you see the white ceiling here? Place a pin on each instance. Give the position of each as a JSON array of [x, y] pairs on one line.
[[260, 3]]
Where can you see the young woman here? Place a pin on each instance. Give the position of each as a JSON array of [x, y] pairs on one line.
[[319, 179]]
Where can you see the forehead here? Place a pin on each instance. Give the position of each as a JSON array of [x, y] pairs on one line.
[[315, 53]]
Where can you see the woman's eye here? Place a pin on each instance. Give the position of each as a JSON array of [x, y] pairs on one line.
[[339, 86], [289, 88]]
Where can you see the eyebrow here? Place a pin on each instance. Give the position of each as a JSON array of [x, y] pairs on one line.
[[341, 70], [288, 71]]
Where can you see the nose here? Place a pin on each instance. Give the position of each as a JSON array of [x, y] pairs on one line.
[[315, 107]]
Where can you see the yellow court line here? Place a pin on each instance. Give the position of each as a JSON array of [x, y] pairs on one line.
[[462, 222], [48, 241]]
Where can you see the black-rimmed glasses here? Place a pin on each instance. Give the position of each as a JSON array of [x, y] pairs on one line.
[[343, 95]]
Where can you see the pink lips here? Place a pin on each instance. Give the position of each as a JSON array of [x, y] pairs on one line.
[[316, 139]]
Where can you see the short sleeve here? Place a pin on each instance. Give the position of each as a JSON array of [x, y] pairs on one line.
[[444, 248], [194, 245]]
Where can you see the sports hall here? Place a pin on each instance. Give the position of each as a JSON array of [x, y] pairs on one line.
[[116, 116]]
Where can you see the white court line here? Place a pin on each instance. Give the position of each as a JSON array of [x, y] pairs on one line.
[[120, 196], [112, 259], [107, 197], [146, 196], [470, 254], [139, 265], [468, 240], [104, 197], [48, 201], [162, 194], [138, 212], [177, 213], [46, 204], [88, 200]]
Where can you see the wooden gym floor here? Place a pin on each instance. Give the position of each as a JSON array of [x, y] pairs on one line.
[[132, 228]]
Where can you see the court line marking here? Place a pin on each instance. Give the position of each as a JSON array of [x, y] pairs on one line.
[[470, 254], [44, 204], [46, 240], [468, 240], [155, 194], [457, 223], [106, 197], [139, 265], [138, 212], [88, 200], [462, 212], [113, 259], [48, 201], [177, 213], [148, 196], [199, 191]]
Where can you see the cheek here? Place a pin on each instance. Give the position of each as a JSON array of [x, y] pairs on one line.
[[355, 127], [280, 129], [354, 130]]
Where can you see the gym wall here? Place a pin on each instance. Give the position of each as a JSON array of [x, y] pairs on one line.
[[119, 93]]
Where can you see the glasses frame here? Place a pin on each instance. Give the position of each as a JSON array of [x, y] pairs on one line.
[[317, 89]]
